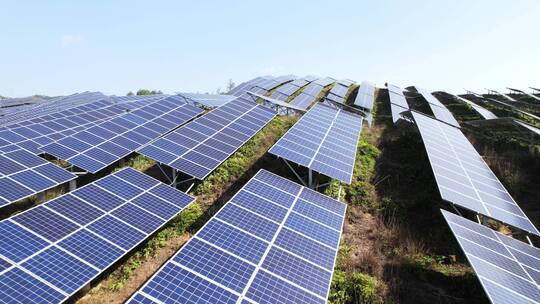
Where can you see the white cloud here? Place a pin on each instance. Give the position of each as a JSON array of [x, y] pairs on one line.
[[71, 39]]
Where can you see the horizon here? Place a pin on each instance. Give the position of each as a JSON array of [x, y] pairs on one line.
[[64, 48]]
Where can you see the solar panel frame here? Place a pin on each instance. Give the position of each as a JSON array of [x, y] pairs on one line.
[[463, 178], [23, 247], [261, 266], [498, 261], [328, 146]]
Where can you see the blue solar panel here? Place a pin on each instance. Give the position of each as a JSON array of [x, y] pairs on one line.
[[60, 269], [267, 288], [98, 197], [194, 289], [233, 240], [75, 209], [507, 268], [138, 217], [325, 140], [23, 174], [294, 253], [260, 206], [464, 178], [46, 223], [114, 139], [19, 287], [91, 229], [17, 243], [215, 264], [203, 144], [91, 248]]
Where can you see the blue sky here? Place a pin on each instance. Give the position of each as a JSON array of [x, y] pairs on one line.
[[62, 47]]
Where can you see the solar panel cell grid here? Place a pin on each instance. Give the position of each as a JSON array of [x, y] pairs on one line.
[[312, 140], [498, 260], [88, 239], [130, 131], [239, 259], [202, 145], [462, 176]]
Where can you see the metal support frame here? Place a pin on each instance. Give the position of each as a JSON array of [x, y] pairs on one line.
[[529, 240], [174, 182], [295, 173], [310, 179], [72, 184], [163, 171]]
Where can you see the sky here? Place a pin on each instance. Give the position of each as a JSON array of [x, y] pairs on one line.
[[63, 47]]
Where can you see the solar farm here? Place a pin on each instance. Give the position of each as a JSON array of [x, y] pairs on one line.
[[285, 189]]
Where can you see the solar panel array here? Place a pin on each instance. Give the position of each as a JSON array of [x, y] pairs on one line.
[[52, 105], [49, 252], [463, 177], [33, 133], [209, 100], [485, 113], [110, 141], [324, 140], [508, 269], [398, 102], [439, 110], [273, 242], [366, 96], [203, 144], [23, 174]]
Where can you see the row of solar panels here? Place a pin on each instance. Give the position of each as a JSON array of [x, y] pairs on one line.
[[507, 268], [108, 141], [274, 241]]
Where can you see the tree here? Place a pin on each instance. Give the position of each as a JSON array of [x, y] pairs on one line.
[[130, 93], [144, 92], [230, 85]]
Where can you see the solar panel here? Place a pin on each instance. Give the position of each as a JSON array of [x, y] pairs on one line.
[[51, 251], [112, 140], [279, 96], [485, 113], [210, 100], [439, 110], [365, 96], [324, 140], [300, 82], [203, 144], [335, 98], [302, 101], [339, 90], [312, 89], [324, 81], [398, 102], [287, 89], [507, 268], [463, 177], [23, 174], [275, 250], [33, 133]]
